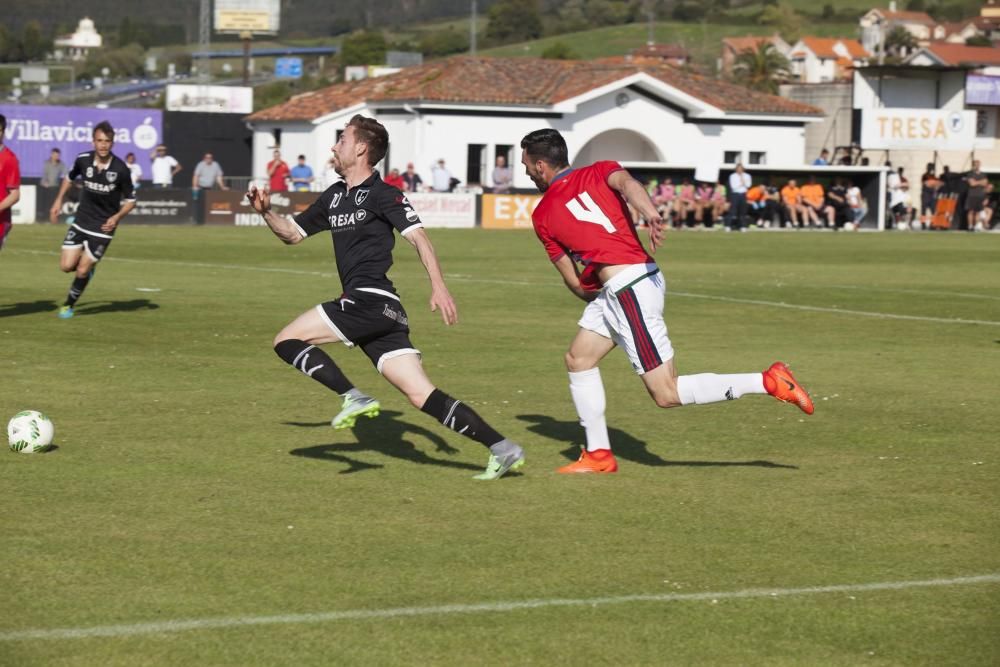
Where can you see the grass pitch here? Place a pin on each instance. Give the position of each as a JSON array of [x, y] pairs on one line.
[[196, 477]]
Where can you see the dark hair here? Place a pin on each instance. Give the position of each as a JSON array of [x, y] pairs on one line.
[[546, 145], [56, 150], [105, 127], [3, 123], [373, 134], [302, 157]]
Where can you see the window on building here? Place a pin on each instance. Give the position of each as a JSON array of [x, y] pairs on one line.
[[276, 133], [731, 157], [758, 157], [476, 161]]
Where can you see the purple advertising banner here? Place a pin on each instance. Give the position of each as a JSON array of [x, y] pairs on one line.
[[33, 131], [983, 90]]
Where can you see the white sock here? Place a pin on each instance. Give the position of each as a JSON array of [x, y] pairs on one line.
[[711, 388], [587, 391]]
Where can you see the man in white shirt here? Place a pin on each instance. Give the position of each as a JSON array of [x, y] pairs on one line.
[[440, 177], [739, 183], [164, 168], [898, 195]]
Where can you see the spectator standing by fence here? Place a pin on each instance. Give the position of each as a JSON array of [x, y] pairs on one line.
[[412, 179], [135, 171], [302, 176], [277, 173], [164, 167], [739, 182], [207, 174], [503, 176], [441, 178], [53, 170]]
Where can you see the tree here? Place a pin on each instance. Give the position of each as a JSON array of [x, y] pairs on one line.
[[900, 42], [828, 12], [6, 43], [978, 40], [514, 21], [785, 20], [916, 6], [689, 11], [33, 45], [363, 48], [762, 68], [444, 42], [559, 51]]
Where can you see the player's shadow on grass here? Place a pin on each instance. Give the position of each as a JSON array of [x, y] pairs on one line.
[[28, 308], [384, 435], [624, 445], [98, 307]]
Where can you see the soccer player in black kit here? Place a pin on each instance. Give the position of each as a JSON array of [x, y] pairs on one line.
[[362, 214], [107, 197]]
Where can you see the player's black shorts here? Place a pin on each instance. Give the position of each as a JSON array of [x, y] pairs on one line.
[[94, 244], [374, 321]]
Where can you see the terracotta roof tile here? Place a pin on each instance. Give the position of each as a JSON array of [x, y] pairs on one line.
[[823, 47], [519, 81], [909, 17], [960, 54]]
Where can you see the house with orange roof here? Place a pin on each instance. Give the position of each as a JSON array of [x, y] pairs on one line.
[[947, 54], [732, 47], [467, 110], [824, 59], [877, 23]]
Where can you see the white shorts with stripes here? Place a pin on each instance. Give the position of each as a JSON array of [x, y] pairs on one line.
[[629, 311]]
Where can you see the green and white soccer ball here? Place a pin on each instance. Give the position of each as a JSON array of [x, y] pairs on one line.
[[29, 432]]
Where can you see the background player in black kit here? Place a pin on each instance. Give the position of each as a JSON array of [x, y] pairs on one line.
[[107, 197], [362, 213]]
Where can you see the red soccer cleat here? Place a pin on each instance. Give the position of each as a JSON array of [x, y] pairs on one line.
[[780, 383], [601, 460]]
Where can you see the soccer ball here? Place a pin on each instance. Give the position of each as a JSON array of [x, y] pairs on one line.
[[29, 432], [849, 227]]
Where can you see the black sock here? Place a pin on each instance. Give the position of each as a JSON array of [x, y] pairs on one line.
[[76, 289], [315, 363], [459, 417]]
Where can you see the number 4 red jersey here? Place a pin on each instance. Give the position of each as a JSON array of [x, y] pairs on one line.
[[580, 215]]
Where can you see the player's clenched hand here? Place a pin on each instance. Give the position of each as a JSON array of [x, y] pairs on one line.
[[260, 200], [440, 298], [54, 212], [655, 232], [109, 225]]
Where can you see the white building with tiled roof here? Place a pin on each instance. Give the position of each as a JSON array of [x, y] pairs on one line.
[[467, 110]]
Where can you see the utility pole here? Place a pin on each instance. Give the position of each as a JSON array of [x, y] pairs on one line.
[[472, 30], [649, 22], [204, 41]]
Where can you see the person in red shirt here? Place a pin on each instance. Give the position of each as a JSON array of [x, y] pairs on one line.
[[395, 179], [582, 218], [10, 183], [278, 173]]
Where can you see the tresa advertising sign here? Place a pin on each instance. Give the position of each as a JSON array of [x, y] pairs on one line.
[[33, 131]]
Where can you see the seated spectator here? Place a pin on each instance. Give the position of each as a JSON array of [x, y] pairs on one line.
[[720, 201], [857, 206], [930, 184], [663, 199], [702, 202], [836, 198], [814, 203], [823, 160], [412, 179], [763, 200], [395, 179], [985, 219], [791, 200], [503, 176], [685, 201]]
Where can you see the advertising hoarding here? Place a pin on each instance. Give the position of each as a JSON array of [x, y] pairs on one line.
[[33, 131], [210, 99], [509, 211], [982, 90], [255, 16], [926, 129]]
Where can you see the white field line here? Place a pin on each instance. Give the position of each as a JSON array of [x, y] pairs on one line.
[[469, 279], [182, 625]]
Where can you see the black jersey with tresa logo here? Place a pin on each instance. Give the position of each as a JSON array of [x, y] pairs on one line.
[[361, 221], [104, 190]]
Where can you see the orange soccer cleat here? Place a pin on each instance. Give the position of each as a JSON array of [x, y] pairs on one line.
[[601, 460], [780, 383]]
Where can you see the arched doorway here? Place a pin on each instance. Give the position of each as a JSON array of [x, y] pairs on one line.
[[619, 145]]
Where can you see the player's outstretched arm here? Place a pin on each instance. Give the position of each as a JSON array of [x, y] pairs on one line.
[[637, 197], [567, 269], [440, 296], [284, 229]]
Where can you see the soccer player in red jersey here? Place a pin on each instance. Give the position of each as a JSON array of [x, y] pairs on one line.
[[583, 219], [10, 183]]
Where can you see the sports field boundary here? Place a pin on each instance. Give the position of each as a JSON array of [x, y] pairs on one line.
[[184, 625], [469, 279]]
